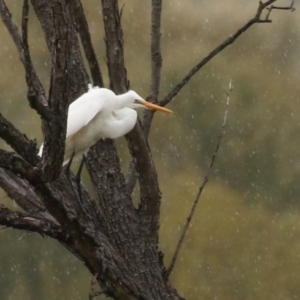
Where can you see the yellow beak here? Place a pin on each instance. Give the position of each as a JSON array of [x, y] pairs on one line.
[[154, 107]]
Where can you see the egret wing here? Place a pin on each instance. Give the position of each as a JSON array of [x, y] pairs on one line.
[[82, 111]]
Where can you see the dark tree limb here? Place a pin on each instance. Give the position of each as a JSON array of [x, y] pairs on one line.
[[25, 11], [23, 221], [114, 46], [35, 93], [105, 150], [136, 140], [87, 45], [142, 229], [68, 79], [92, 246], [150, 194], [18, 141], [34, 85], [58, 97], [201, 188], [79, 79], [14, 163], [20, 191], [156, 63], [221, 47]]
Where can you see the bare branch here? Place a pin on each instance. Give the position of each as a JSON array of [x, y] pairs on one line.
[[212, 54], [18, 141], [148, 114], [20, 191], [206, 178], [22, 221], [291, 8], [87, 44], [68, 77], [137, 144], [114, 40], [33, 82], [156, 63], [25, 12], [156, 59]]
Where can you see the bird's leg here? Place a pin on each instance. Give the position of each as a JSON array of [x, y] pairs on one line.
[[78, 177], [67, 173], [67, 169]]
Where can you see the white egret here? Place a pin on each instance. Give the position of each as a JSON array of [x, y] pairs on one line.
[[100, 113]]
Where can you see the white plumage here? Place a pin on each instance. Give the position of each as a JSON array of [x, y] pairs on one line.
[[100, 113]]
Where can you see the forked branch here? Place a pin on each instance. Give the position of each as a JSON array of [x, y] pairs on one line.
[[206, 178], [256, 19], [87, 45], [34, 85], [291, 8]]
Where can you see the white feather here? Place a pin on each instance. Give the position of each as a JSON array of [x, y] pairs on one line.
[[97, 114]]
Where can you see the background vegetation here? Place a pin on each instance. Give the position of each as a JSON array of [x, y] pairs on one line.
[[244, 240]]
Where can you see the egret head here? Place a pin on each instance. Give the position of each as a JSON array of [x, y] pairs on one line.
[[133, 100]]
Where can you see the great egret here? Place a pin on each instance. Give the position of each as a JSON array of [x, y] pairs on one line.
[[100, 113]]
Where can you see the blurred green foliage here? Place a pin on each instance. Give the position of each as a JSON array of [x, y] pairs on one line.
[[244, 240]]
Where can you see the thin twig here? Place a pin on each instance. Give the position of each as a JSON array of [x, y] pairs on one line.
[[291, 8], [148, 116], [206, 179], [212, 54]]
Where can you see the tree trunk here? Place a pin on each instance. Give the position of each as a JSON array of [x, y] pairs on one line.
[[117, 242]]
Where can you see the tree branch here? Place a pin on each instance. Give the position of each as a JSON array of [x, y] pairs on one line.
[[20, 191], [291, 8], [212, 54], [23, 221], [156, 63], [34, 85], [87, 44], [14, 163], [206, 178], [114, 46], [137, 144], [156, 59], [18, 141], [25, 11], [56, 20]]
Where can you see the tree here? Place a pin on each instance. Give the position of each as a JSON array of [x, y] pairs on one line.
[[117, 242]]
